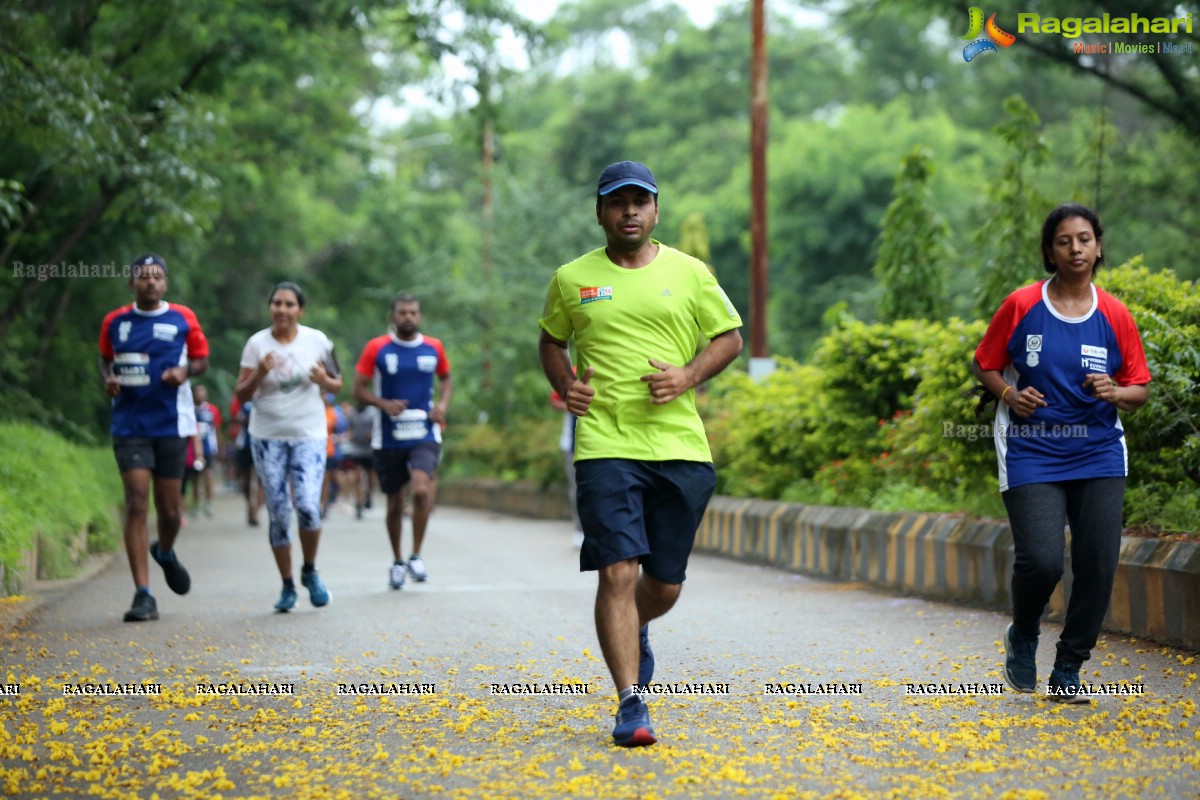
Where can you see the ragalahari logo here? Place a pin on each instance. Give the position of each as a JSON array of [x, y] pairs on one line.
[[995, 38]]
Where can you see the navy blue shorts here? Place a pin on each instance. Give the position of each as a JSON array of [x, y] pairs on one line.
[[648, 510]]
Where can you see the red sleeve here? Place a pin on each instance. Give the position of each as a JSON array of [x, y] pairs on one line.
[[106, 348], [1134, 371], [235, 408], [197, 344], [216, 412], [992, 353], [443, 367], [366, 362]]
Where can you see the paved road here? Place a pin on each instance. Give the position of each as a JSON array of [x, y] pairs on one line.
[[506, 605]]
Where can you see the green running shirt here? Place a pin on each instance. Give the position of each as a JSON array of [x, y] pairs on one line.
[[620, 318]]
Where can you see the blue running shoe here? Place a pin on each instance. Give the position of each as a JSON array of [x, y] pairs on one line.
[[316, 588], [646, 664], [1064, 685], [1020, 660], [177, 577], [633, 724], [287, 599]]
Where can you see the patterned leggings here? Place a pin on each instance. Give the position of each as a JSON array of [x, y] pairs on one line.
[[302, 460]]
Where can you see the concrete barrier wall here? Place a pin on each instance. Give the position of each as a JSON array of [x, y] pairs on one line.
[[30, 567], [941, 556]]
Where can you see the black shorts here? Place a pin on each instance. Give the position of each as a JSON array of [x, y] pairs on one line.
[[394, 467], [365, 461], [244, 460], [164, 456], [648, 510]]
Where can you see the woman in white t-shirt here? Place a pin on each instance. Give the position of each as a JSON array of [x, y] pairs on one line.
[[285, 369]]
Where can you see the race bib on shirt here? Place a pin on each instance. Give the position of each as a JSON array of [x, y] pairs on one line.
[[132, 369], [411, 424]]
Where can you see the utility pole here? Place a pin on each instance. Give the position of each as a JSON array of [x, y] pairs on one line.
[[487, 265], [761, 364]]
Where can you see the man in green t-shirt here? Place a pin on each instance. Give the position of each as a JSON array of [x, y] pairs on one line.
[[640, 313]]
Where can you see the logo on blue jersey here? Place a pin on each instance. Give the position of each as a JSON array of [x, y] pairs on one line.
[[165, 331], [1095, 358], [1033, 347]]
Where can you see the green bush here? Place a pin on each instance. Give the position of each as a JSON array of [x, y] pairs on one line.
[[765, 437], [818, 433], [524, 449], [939, 444], [883, 419], [51, 489], [1163, 435], [871, 371]]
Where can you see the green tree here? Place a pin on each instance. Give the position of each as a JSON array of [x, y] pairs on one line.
[[1009, 238], [1165, 86], [829, 182], [693, 237], [228, 136], [911, 267]]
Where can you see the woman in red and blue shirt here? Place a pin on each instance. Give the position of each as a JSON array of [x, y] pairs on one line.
[[1063, 356]]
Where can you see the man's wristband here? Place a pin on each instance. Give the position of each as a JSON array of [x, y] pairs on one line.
[[1006, 391]]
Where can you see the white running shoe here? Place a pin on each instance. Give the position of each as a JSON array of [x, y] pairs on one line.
[[396, 576], [416, 568]]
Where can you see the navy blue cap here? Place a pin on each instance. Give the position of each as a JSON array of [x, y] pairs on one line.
[[148, 259], [626, 173]]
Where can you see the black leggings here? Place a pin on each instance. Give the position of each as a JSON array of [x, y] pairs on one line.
[[1036, 513]]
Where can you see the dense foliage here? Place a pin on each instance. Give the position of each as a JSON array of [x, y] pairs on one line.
[[51, 489], [249, 143], [1164, 435], [885, 418]]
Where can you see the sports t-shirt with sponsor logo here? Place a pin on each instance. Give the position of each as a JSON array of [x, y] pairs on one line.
[[1075, 435], [620, 318], [142, 345], [287, 404], [404, 370]]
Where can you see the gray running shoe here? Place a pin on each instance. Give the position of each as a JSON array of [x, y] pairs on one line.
[[144, 608]]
